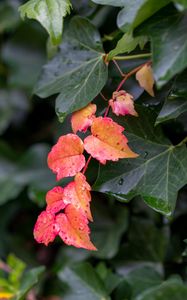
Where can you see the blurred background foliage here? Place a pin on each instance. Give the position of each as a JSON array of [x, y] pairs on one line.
[[141, 253]]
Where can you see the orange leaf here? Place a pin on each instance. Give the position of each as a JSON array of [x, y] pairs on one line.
[[66, 157], [74, 228], [54, 199], [122, 103], [82, 119], [146, 79], [107, 141], [77, 193], [45, 229]]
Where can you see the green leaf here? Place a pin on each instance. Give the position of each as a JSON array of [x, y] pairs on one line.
[[181, 4], [135, 11], [176, 101], [114, 221], [17, 267], [166, 33], [110, 279], [110, 2], [151, 241], [29, 279], [172, 289], [49, 13], [83, 282], [30, 169], [171, 109], [157, 174], [77, 72], [9, 17], [126, 44], [24, 54], [140, 278]]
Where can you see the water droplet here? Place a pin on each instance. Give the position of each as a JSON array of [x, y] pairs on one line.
[[120, 182]]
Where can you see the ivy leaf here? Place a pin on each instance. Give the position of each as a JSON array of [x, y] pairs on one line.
[[83, 282], [176, 101], [166, 33], [78, 194], [157, 174], [49, 13], [145, 78], [83, 118], [28, 280], [78, 72], [134, 12], [180, 4], [74, 228], [127, 44], [166, 291], [107, 141], [66, 158]]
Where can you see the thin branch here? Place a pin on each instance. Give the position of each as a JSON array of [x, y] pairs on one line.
[[128, 57]]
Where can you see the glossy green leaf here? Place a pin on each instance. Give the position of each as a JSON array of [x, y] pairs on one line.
[[157, 174], [77, 72], [127, 44], [110, 279], [181, 4], [83, 282], [171, 109], [137, 11], [172, 289], [134, 11], [166, 33], [139, 279], [151, 241], [110, 2], [176, 102], [29, 279], [49, 13], [114, 221]]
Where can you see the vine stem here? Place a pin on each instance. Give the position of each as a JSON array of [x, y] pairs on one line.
[[126, 76], [129, 57], [182, 142], [86, 165], [118, 67]]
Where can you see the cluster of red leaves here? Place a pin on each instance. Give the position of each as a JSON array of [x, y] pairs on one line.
[[68, 209]]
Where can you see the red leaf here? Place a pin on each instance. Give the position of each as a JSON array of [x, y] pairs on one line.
[[82, 119], [45, 229], [77, 193], [66, 157], [74, 228], [54, 199], [107, 141], [122, 104]]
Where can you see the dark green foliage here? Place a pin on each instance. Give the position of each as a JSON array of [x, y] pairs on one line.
[[139, 205]]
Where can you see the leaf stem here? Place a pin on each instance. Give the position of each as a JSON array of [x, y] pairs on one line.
[[182, 142], [86, 165], [118, 67], [132, 72], [128, 57]]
